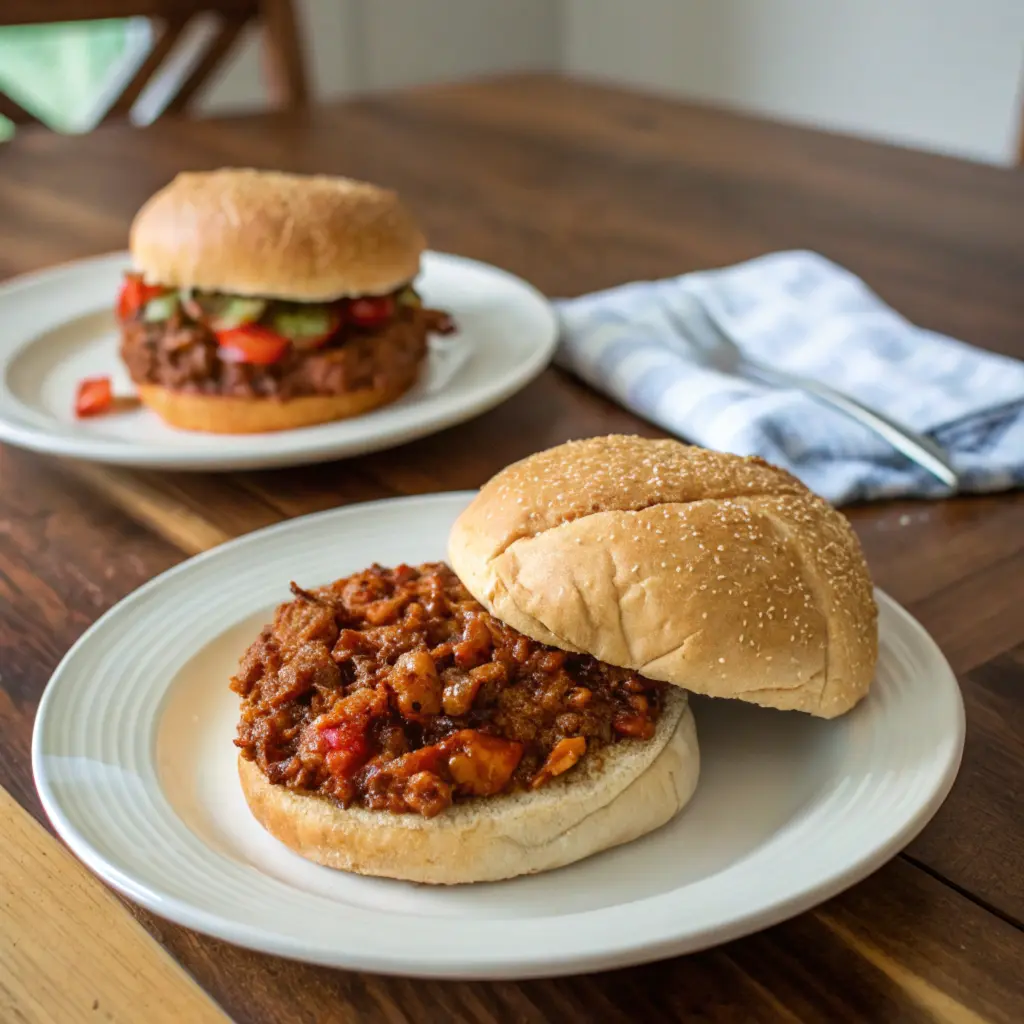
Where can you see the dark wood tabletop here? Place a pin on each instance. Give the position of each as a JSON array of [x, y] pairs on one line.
[[574, 187]]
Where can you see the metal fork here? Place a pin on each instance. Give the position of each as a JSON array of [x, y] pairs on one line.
[[716, 349]]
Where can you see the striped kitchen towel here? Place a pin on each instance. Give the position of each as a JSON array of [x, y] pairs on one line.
[[798, 311]]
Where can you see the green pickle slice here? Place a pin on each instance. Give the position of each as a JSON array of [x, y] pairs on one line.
[[303, 323], [236, 311], [162, 307]]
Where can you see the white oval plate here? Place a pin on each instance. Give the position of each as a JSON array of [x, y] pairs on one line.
[[133, 758], [58, 327]]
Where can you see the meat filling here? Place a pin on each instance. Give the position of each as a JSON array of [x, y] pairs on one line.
[[395, 690], [185, 351]]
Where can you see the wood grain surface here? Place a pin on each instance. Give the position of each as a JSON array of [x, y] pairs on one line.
[[578, 187], [70, 952]]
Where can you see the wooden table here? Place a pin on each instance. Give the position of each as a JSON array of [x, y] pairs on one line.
[[575, 187]]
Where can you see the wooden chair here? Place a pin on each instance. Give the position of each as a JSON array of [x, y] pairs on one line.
[[282, 52]]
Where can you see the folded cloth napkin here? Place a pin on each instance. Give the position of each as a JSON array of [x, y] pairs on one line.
[[799, 312]]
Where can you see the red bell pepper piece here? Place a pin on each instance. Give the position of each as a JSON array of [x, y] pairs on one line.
[[135, 293], [253, 344], [94, 397], [370, 311]]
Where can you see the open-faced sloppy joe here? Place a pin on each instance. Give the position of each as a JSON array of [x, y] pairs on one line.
[[510, 702], [393, 689]]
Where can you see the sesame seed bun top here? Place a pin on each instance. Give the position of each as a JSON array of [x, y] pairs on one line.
[[274, 235], [720, 574]]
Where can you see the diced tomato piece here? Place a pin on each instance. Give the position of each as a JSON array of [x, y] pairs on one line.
[[333, 737], [345, 739], [426, 759], [347, 747], [134, 294], [344, 762], [637, 726], [252, 344], [480, 764], [94, 397], [371, 311], [564, 754]]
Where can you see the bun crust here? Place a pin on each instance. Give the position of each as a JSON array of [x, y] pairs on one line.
[[720, 574], [216, 414], [630, 789], [276, 235]]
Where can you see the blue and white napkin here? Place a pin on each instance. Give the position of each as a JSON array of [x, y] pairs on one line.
[[799, 312]]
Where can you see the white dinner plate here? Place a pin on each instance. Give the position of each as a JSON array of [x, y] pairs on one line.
[[57, 327], [135, 766]]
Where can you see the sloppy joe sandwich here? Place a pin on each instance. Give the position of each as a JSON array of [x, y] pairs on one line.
[[264, 301], [530, 708]]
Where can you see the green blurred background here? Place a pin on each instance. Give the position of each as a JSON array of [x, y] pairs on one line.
[[58, 72]]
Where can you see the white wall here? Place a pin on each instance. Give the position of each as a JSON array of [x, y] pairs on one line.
[[354, 45], [943, 75], [412, 41], [937, 74]]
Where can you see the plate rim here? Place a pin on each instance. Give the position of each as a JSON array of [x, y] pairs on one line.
[[486, 966], [103, 451]]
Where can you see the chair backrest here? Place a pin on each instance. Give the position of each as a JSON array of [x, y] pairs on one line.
[[282, 52]]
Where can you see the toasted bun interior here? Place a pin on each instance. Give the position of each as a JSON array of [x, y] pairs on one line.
[[622, 792], [286, 236], [720, 574], [217, 414]]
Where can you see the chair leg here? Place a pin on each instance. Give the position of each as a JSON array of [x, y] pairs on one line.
[[283, 61]]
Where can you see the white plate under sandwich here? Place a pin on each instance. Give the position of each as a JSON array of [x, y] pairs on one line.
[[134, 762], [57, 327]]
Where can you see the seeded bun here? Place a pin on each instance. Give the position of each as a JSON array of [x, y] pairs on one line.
[[218, 414], [285, 236], [623, 792], [719, 574]]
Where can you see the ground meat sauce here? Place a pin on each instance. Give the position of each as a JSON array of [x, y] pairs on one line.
[[393, 689], [182, 354]]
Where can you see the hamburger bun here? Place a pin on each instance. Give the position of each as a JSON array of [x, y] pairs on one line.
[[719, 574], [625, 791], [218, 414], [274, 235]]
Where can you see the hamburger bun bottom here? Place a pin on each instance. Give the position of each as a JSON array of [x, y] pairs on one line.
[[218, 414], [629, 789]]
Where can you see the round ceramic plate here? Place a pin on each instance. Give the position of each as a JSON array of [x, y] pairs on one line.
[[134, 762], [58, 328]]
